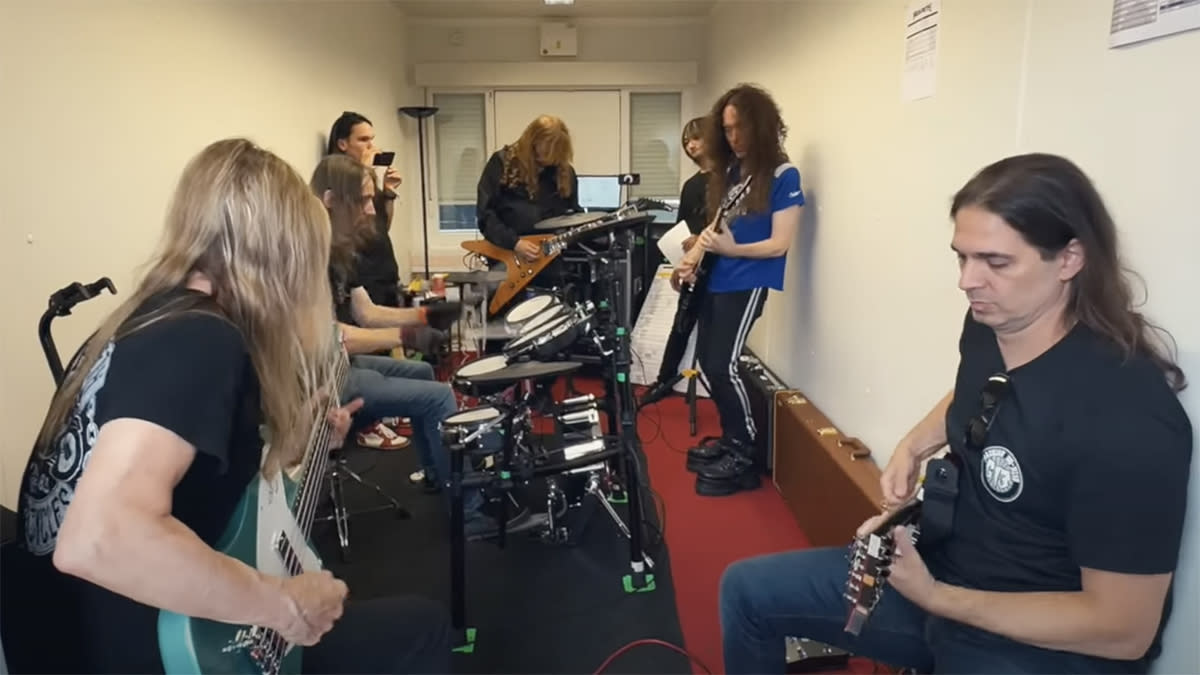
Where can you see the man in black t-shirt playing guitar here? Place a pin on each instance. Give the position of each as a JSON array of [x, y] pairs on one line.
[[1073, 455]]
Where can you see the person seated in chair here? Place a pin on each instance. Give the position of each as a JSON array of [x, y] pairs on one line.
[[155, 438], [1050, 535], [389, 387], [376, 267]]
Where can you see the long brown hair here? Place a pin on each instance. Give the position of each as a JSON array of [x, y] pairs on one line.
[[344, 178], [520, 162], [1051, 202], [245, 219], [762, 124]]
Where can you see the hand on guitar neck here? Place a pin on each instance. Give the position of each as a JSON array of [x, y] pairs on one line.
[[527, 250]]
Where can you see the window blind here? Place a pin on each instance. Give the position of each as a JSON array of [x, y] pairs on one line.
[[461, 141], [655, 153]]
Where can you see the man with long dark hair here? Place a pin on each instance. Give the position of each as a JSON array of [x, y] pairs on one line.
[[389, 387], [743, 141], [1051, 542], [353, 135]]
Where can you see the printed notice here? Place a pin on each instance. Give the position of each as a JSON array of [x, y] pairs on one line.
[[648, 340], [920, 49], [1139, 20]]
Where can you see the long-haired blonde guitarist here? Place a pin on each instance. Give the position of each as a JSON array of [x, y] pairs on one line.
[[744, 141], [524, 183], [150, 447]]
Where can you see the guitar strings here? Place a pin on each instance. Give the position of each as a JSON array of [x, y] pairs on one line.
[[318, 462]]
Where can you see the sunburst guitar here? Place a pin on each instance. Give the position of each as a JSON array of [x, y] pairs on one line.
[[269, 530]]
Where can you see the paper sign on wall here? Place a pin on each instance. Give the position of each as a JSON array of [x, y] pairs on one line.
[[921, 22], [1138, 20]]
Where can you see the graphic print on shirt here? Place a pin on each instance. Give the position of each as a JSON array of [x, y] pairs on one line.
[[1001, 473], [57, 468]]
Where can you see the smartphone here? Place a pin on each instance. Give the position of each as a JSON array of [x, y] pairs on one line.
[[384, 159]]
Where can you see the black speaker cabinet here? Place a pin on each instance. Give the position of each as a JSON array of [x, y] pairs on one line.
[[761, 386]]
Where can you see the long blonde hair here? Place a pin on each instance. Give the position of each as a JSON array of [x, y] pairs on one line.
[[245, 219], [520, 163]]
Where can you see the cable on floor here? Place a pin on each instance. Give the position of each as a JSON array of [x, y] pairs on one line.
[[652, 641]]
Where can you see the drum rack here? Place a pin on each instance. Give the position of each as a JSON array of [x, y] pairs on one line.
[[614, 269]]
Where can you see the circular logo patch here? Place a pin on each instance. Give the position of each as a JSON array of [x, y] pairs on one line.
[[1001, 473]]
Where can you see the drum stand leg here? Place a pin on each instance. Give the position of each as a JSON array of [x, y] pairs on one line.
[[594, 489], [623, 407], [464, 635]]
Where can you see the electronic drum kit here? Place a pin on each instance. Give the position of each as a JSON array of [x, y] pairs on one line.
[[496, 434]]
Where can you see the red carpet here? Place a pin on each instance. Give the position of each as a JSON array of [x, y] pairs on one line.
[[705, 534]]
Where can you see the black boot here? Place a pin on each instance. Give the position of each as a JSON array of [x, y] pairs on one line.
[[659, 390], [734, 472], [706, 454]]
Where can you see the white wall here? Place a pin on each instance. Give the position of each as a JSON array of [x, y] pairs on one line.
[[104, 103], [869, 320], [489, 54]]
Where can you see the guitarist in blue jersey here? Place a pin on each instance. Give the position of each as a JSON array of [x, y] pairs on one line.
[[156, 432], [746, 248]]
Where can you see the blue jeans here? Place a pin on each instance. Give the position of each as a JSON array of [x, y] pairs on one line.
[[799, 594], [399, 388]]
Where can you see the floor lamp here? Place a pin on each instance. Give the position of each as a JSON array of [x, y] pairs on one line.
[[419, 113]]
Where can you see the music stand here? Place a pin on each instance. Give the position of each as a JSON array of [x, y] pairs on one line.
[[420, 113]]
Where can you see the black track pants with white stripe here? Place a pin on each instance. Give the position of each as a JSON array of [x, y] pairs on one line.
[[725, 321]]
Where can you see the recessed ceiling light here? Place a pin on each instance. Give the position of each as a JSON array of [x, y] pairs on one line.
[[559, 2]]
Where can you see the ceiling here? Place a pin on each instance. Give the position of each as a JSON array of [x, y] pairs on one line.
[[475, 9]]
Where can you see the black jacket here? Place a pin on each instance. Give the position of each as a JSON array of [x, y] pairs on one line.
[[692, 203], [506, 213]]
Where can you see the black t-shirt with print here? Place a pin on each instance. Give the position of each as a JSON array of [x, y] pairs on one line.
[[189, 373], [1086, 464]]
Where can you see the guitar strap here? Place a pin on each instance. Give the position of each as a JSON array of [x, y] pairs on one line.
[[734, 203], [940, 491]]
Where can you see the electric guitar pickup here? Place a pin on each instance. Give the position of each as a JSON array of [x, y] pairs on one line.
[[521, 272]]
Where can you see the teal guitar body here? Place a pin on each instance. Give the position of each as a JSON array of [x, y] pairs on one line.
[[269, 531], [263, 533]]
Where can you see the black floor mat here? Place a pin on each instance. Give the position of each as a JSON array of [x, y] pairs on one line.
[[537, 607]]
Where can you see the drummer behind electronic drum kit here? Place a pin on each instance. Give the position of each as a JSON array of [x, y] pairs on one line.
[[545, 329]]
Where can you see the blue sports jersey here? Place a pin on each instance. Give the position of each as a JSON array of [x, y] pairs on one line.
[[741, 274]]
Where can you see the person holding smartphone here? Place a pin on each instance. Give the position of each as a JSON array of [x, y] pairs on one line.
[[353, 135]]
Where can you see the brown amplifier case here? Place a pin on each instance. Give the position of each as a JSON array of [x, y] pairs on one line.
[[828, 480]]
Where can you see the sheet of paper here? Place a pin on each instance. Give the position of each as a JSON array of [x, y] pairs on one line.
[[920, 49], [648, 340], [1138, 20], [671, 243]]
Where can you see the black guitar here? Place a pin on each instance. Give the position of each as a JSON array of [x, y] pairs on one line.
[[692, 293]]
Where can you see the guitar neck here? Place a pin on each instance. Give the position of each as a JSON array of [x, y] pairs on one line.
[[316, 459]]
